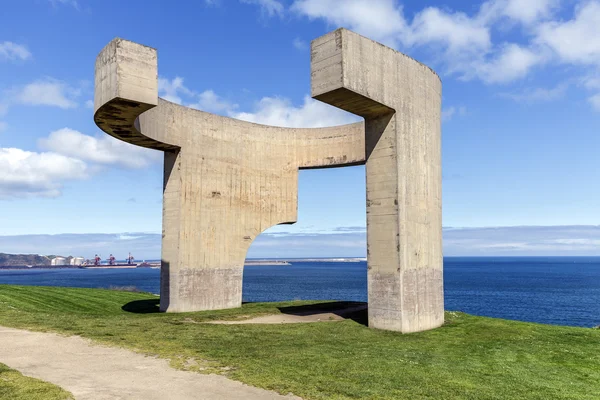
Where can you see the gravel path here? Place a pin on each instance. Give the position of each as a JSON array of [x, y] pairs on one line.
[[92, 371]]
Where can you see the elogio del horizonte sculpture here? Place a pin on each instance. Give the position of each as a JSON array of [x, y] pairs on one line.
[[226, 181]]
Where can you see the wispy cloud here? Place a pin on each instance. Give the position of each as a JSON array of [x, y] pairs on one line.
[[209, 101], [450, 112], [537, 95], [66, 155], [175, 91], [461, 43], [300, 44], [13, 51], [268, 7], [72, 3], [339, 242], [27, 174], [276, 111], [595, 101], [104, 149], [43, 92], [523, 241]]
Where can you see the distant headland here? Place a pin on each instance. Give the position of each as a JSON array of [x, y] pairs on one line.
[[34, 260]]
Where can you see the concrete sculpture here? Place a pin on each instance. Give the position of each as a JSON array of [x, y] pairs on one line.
[[226, 181]]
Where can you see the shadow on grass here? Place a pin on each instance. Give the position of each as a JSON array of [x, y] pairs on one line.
[[142, 306], [354, 310]]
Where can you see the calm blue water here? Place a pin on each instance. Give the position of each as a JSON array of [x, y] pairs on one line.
[[552, 290]]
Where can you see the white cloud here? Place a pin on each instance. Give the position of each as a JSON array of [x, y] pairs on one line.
[[47, 92], [89, 104], [458, 32], [104, 150], [467, 46], [300, 44], [530, 10], [43, 92], [3, 126], [575, 41], [268, 7], [525, 12], [73, 3], [524, 240], [276, 111], [595, 102], [171, 90], [25, 173], [380, 20], [585, 242], [279, 111], [128, 237], [592, 81], [461, 42], [450, 112], [536, 95], [12, 51], [209, 101], [512, 62], [69, 155]]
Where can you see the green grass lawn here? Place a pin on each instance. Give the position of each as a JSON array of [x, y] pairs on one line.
[[15, 386], [469, 358]]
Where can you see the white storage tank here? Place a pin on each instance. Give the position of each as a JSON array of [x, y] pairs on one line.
[[59, 261], [77, 261]]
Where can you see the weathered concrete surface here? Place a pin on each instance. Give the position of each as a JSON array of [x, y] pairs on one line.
[[227, 180], [93, 372], [400, 100]]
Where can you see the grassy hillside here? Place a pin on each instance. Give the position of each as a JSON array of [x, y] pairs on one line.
[[9, 260], [469, 358], [15, 386]]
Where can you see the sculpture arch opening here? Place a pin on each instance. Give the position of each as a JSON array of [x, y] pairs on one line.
[[331, 224], [331, 202]]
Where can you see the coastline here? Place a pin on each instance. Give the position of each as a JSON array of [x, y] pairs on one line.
[[154, 264]]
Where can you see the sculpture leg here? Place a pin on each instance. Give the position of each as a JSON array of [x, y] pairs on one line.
[[403, 228], [199, 266], [399, 99]]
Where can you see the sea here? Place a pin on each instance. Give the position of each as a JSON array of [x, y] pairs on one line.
[[548, 290]]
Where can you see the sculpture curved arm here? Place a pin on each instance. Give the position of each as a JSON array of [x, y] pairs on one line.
[[126, 85], [127, 107]]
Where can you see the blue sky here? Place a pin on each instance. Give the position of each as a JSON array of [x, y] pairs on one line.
[[521, 106]]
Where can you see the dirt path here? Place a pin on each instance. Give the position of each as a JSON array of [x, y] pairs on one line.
[[91, 371], [298, 317]]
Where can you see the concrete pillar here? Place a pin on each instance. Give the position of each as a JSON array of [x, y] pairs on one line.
[[400, 100]]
